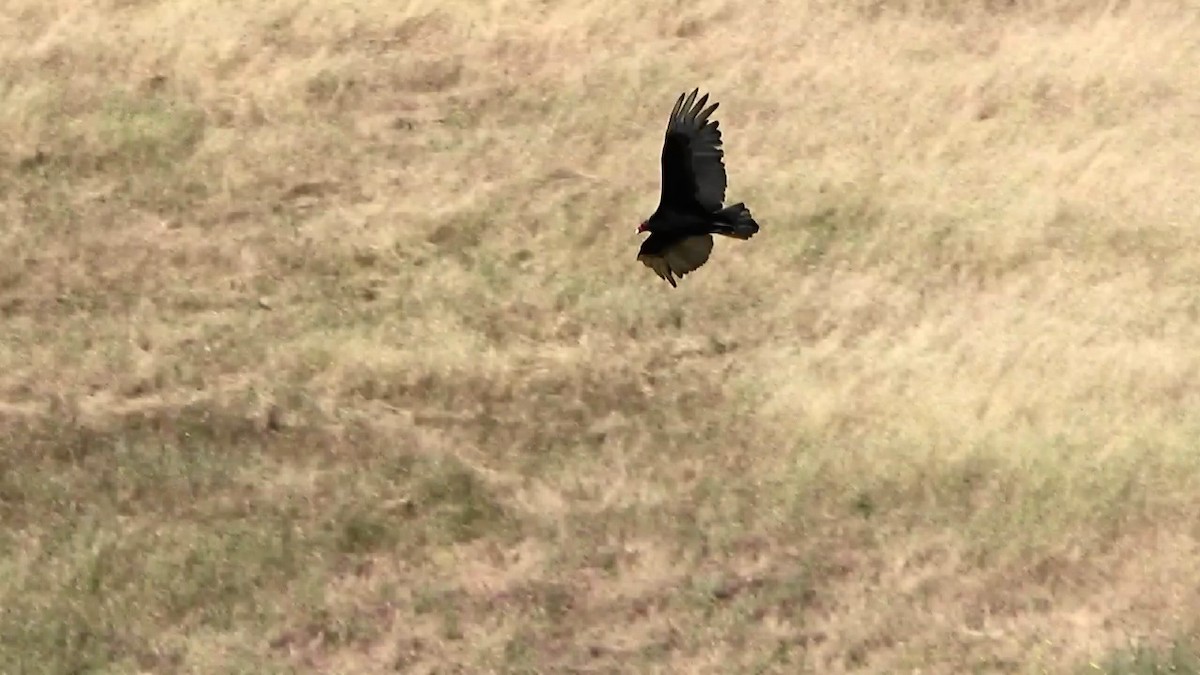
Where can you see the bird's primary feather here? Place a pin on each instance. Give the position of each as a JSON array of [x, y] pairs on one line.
[[693, 169], [670, 257]]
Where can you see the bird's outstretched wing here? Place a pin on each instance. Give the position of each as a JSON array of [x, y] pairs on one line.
[[693, 170], [675, 257]]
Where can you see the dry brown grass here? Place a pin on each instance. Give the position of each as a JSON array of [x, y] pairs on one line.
[[325, 349]]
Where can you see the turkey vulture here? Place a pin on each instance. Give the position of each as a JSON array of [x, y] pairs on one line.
[[693, 189]]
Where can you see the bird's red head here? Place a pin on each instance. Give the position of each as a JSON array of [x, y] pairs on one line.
[[643, 227]]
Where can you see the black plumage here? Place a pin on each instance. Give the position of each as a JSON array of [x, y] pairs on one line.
[[690, 208]]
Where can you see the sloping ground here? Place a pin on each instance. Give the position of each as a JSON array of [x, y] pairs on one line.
[[324, 349]]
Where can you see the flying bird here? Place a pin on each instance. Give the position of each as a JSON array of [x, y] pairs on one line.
[[690, 207]]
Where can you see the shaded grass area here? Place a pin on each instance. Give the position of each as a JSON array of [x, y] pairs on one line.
[[193, 520], [1182, 656], [297, 542]]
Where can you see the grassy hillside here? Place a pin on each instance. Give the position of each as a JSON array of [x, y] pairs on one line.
[[323, 345]]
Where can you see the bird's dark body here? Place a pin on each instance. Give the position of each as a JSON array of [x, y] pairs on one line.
[[690, 208], [666, 228], [670, 224]]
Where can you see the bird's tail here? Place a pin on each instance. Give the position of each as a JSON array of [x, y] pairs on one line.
[[735, 221]]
